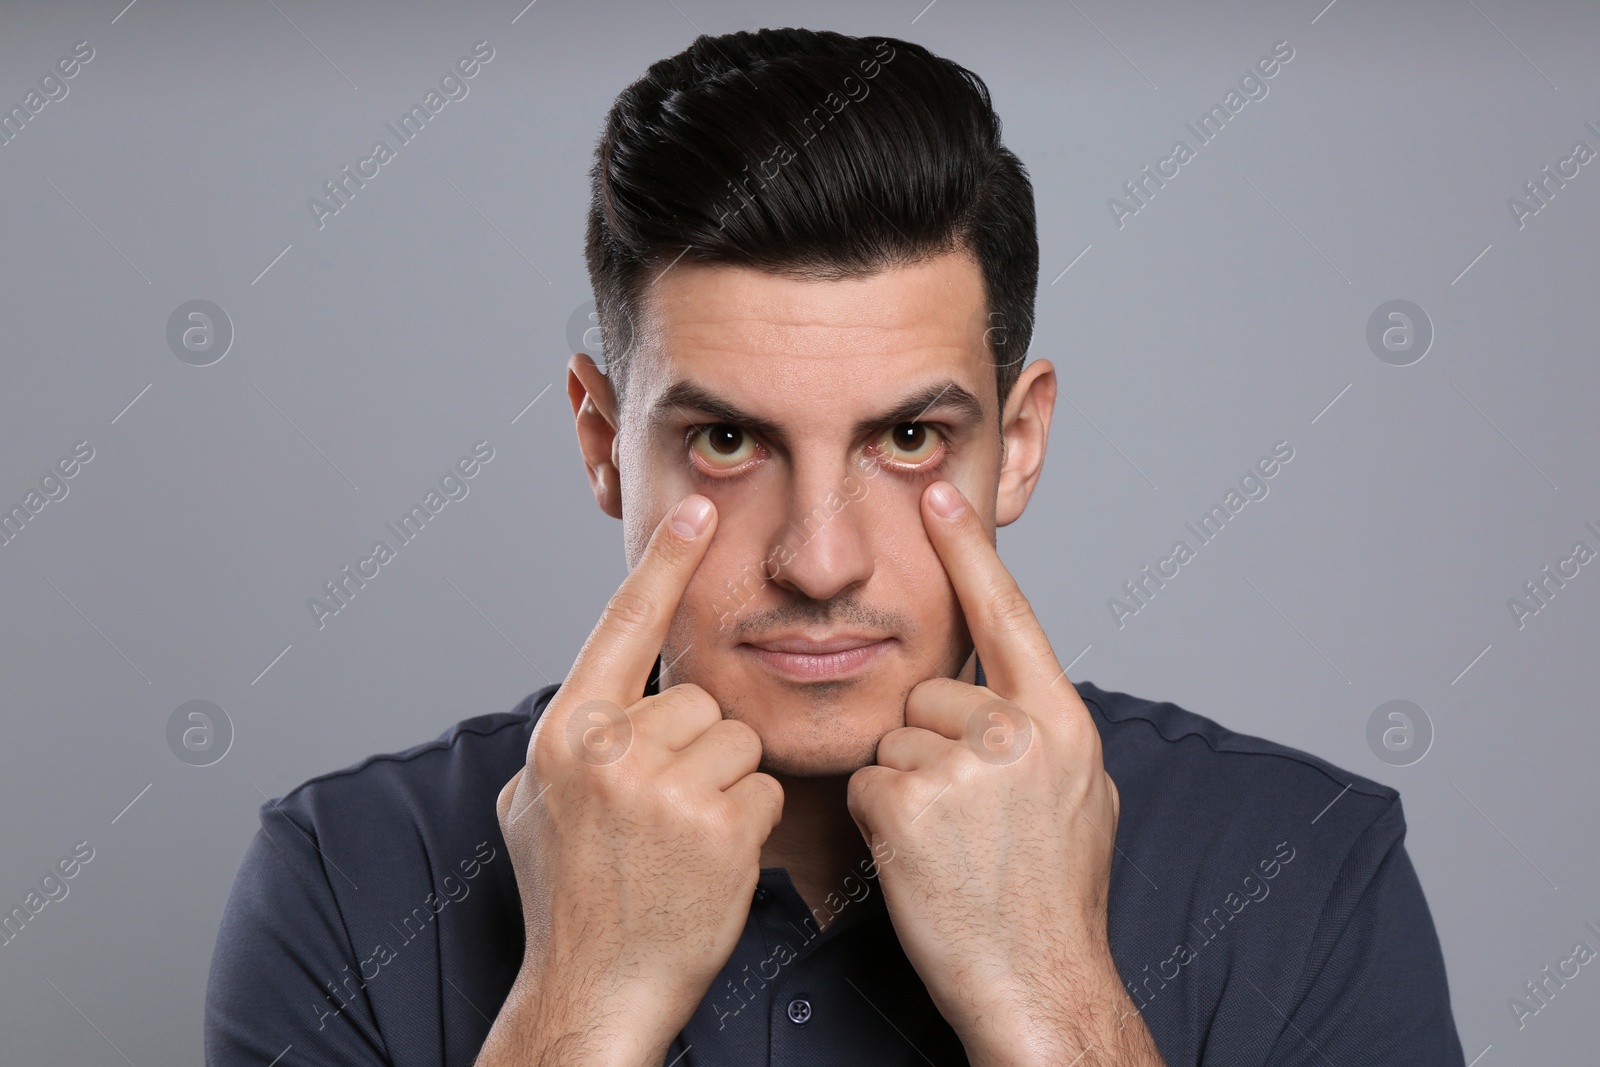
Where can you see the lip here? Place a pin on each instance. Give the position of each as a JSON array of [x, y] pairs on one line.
[[810, 659]]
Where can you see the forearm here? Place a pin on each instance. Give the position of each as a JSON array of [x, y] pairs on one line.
[[1113, 1033], [1084, 1020], [564, 1030]]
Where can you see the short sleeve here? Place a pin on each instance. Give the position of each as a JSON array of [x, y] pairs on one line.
[[284, 979], [1373, 990]]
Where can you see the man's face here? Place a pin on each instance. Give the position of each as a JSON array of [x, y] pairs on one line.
[[813, 413]]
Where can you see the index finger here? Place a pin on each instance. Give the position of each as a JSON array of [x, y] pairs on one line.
[[1014, 648], [614, 663]]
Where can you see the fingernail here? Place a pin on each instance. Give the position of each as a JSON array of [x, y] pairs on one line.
[[690, 519], [944, 499]]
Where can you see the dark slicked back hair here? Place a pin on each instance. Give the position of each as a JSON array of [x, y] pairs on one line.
[[810, 154]]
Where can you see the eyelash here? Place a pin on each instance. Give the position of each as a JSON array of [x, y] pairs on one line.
[[697, 469], [925, 472]]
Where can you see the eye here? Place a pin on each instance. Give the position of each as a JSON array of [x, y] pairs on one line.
[[910, 444], [722, 446]]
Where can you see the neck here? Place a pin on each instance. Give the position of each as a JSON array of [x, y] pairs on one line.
[[817, 841]]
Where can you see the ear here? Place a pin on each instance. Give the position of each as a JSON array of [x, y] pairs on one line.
[[1025, 431], [595, 412]]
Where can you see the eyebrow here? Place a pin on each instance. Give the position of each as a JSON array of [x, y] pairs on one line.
[[947, 396]]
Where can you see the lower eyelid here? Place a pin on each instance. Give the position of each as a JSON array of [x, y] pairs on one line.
[[925, 467], [707, 470], [717, 472]]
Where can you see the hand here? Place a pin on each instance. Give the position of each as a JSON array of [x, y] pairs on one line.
[[1003, 819], [635, 831]]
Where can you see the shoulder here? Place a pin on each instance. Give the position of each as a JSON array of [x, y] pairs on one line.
[[359, 873], [400, 821], [1169, 752], [436, 781], [1245, 866], [1215, 813]]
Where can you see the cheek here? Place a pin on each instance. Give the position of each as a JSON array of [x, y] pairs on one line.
[[655, 476], [648, 489], [908, 576], [728, 562], [637, 527], [731, 582], [893, 515], [907, 560]]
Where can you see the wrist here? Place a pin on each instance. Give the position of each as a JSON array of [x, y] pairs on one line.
[[541, 1026], [1076, 1015]]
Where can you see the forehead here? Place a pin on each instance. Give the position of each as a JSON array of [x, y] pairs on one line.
[[788, 346]]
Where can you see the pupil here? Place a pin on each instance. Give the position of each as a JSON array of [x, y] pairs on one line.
[[909, 436], [725, 439]]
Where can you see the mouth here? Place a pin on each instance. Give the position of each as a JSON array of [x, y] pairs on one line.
[[812, 659]]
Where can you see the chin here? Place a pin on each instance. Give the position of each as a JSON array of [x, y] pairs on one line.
[[797, 742]]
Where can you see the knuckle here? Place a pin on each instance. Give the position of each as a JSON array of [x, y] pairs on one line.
[[680, 803], [629, 611], [772, 788], [690, 697], [719, 816], [871, 792], [932, 689], [1082, 738], [741, 735], [605, 783], [724, 825], [692, 694], [894, 740], [1010, 605], [969, 772], [856, 790], [503, 801], [544, 754]]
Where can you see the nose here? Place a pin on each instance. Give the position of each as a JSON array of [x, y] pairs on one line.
[[824, 536]]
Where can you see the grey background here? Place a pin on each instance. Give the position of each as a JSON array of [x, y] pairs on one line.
[[426, 315]]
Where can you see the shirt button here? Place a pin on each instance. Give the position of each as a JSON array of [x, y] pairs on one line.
[[761, 893], [799, 1010]]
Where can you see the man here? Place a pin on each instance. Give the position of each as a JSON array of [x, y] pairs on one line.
[[817, 788]]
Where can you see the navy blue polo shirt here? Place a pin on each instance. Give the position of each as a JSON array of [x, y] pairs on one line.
[[1262, 911]]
